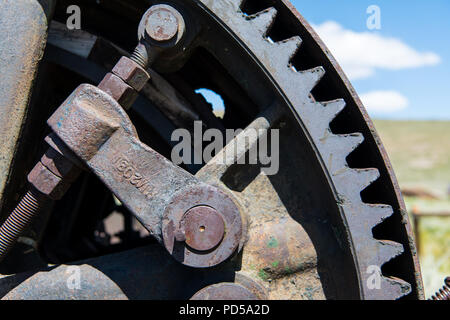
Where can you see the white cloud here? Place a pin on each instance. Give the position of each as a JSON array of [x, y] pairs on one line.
[[361, 53], [384, 101]]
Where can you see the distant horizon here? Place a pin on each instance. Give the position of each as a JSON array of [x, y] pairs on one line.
[[409, 120]]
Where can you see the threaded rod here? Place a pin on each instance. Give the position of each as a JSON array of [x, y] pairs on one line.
[[140, 56], [444, 293], [18, 221]]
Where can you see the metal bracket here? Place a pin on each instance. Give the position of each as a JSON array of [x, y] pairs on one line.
[[99, 132]]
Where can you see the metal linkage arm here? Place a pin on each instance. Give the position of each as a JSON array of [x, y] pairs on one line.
[[198, 224]]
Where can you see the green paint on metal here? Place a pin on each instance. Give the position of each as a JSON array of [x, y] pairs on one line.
[[273, 243], [263, 275]]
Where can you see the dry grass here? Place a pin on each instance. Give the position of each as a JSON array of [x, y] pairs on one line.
[[420, 155]]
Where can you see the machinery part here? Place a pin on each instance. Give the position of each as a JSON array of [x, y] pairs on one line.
[[96, 129], [162, 23], [225, 291], [294, 247], [20, 56], [332, 149], [444, 292], [204, 228], [50, 179], [98, 132], [53, 175], [243, 288], [201, 215], [56, 171], [161, 27], [19, 219]]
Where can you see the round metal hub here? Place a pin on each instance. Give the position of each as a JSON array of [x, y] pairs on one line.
[[204, 228], [225, 291], [212, 229]]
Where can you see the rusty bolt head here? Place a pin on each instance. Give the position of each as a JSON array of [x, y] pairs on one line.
[[130, 72], [204, 228], [162, 25], [124, 94]]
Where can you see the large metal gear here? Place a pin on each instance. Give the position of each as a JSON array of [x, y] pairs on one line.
[[325, 226]]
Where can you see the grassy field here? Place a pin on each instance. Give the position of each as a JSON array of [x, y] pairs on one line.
[[420, 155]]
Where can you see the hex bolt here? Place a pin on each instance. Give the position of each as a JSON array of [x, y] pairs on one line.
[[162, 23], [162, 27], [49, 180]]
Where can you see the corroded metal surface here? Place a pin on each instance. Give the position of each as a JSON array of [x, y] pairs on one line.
[[331, 149], [374, 138], [97, 130], [225, 291], [22, 42], [226, 212], [204, 228], [131, 73], [144, 273], [282, 252], [162, 24]]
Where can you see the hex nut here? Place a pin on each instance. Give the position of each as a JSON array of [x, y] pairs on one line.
[[59, 165], [124, 94], [48, 183], [130, 72]]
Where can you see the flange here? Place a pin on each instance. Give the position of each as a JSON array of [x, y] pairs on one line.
[[202, 227]]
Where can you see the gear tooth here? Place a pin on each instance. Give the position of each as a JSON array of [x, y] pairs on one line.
[[377, 213], [348, 182], [367, 177], [339, 147], [263, 20], [396, 288], [390, 288], [352, 141], [314, 75], [333, 108], [288, 48], [388, 250]]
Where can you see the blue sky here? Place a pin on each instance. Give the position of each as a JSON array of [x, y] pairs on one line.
[[400, 71], [419, 89]]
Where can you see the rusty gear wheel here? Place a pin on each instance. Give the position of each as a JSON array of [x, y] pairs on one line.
[[331, 224]]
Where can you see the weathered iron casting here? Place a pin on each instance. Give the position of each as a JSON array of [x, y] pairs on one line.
[[202, 225], [243, 288], [312, 231]]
